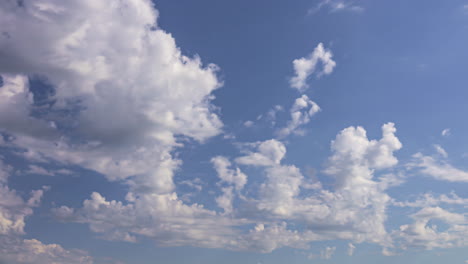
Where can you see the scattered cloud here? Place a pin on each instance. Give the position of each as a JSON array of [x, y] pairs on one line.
[[125, 99], [446, 132], [437, 169], [301, 112], [33, 251], [351, 249], [336, 6], [248, 123], [307, 66], [13, 212], [441, 151], [422, 234], [226, 174], [280, 198], [429, 200]]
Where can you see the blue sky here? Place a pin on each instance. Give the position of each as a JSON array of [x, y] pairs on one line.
[[181, 131]]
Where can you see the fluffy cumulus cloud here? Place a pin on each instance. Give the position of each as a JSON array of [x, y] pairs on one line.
[[424, 234], [120, 99], [307, 66], [301, 112], [354, 210], [119, 93]]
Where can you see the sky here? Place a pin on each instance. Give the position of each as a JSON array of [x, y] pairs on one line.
[[256, 132]]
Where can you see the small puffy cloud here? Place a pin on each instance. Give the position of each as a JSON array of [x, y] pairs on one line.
[[301, 112], [388, 253], [336, 6], [306, 66], [268, 152], [226, 174], [248, 123], [351, 146], [445, 132], [14, 209]]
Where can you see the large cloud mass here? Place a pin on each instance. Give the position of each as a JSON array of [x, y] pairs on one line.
[[119, 89]]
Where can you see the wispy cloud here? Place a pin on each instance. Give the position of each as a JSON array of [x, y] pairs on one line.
[[336, 6]]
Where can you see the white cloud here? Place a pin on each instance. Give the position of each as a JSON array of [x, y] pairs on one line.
[[422, 234], [126, 98], [13, 208], [351, 249], [32, 251], [226, 174], [195, 183], [306, 66], [355, 210], [280, 190], [269, 152], [225, 200], [446, 132], [439, 170], [327, 253], [13, 212], [429, 200], [123, 87], [336, 6], [301, 112], [352, 148], [248, 123], [441, 151], [387, 252]]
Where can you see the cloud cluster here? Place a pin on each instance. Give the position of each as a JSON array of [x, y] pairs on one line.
[[422, 234], [13, 212], [32, 251], [354, 210], [103, 87]]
